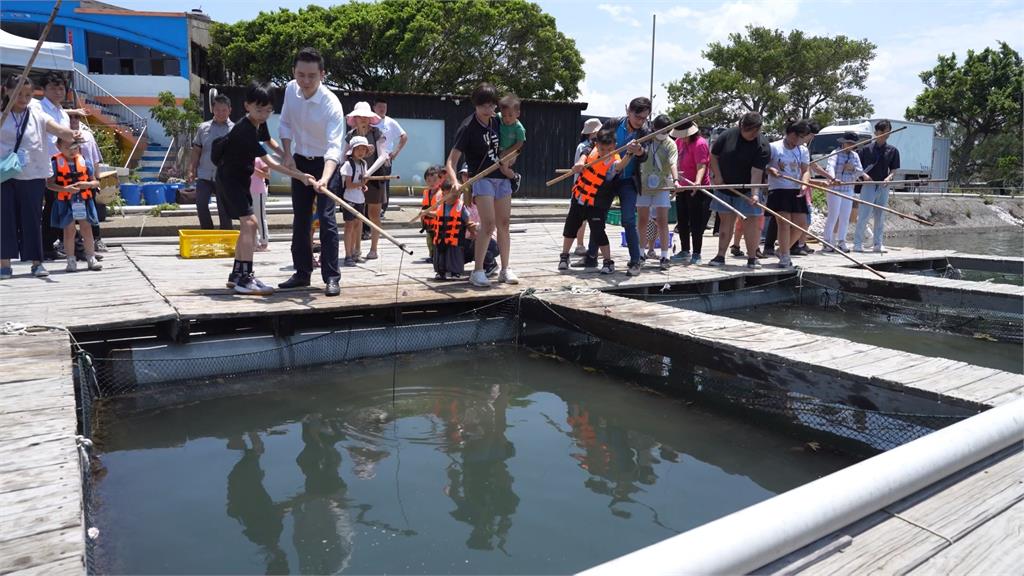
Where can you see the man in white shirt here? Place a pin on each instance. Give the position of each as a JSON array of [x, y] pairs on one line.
[[54, 94], [312, 132], [395, 139]]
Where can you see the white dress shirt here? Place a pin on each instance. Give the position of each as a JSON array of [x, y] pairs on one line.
[[316, 125], [59, 116], [392, 132], [89, 149]]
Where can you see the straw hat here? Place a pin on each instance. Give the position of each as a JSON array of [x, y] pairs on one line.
[[590, 126], [357, 141], [685, 131], [849, 137], [362, 110]]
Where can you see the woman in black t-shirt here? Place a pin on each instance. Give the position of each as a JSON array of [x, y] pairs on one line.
[[235, 164], [478, 139]]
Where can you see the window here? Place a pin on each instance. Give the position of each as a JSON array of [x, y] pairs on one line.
[[32, 31], [109, 55]]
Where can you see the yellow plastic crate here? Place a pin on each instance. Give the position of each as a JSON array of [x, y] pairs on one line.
[[207, 243]]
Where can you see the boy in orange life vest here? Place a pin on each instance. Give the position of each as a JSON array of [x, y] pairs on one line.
[[74, 183], [591, 198], [450, 222], [433, 177]]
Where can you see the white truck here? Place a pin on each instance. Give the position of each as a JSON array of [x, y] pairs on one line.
[[923, 155]]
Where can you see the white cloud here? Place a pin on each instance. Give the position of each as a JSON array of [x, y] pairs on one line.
[[619, 13], [893, 81], [716, 23]]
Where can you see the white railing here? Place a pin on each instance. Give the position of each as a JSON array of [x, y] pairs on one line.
[[119, 109], [136, 146], [166, 154]]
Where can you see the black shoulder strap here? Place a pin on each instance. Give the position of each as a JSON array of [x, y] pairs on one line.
[[21, 129]]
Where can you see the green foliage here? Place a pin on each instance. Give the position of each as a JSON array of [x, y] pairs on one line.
[[978, 104], [778, 75], [156, 210], [179, 122], [432, 46], [110, 148]]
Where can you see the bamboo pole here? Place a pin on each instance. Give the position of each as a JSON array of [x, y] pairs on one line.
[[32, 60], [348, 208], [692, 187], [856, 145], [641, 140], [511, 157], [381, 178], [710, 195], [899, 182], [813, 235], [858, 200]]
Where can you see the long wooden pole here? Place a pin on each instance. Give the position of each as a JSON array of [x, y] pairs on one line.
[[812, 235], [641, 140], [858, 200], [856, 145], [712, 196], [691, 187], [469, 183], [28, 65], [351, 210]]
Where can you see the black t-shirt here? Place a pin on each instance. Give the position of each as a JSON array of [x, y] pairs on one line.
[[481, 145], [737, 155], [879, 161], [243, 147]]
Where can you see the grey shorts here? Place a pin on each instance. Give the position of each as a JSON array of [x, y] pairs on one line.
[[496, 188]]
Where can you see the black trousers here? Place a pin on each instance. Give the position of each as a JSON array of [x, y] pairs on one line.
[[303, 198], [50, 234], [693, 211], [206, 189], [771, 233]]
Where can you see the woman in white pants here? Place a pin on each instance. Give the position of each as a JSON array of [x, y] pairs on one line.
[[843, 167]]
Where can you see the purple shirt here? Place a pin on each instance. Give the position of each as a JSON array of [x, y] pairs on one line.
[[690, 155]]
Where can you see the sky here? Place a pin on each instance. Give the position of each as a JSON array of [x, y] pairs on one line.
[[615, 37]]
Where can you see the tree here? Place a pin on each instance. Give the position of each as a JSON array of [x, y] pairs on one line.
[[778, 75], [431, 46], [179, 123], [978, 105]]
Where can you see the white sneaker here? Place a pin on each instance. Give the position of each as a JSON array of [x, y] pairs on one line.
[[880, 249], [842, 247], [39, 271], [857, 248], [827, 250], [580, 251], [94, 264], [72, 265], [508, 277], [651, 254], [250, 285], [479, 278]]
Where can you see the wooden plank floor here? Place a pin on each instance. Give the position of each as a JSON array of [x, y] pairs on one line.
[[918, 376], [40, 479], [971, 522], [965, 294], [195, 288]]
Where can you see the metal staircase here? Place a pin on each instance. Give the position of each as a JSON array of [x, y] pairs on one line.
[[131, 128]]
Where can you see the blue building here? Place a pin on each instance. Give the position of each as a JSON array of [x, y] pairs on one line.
[[122, 58]]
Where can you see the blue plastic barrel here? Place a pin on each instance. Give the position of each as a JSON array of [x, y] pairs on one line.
[[132, 194], [153, 192], [171, 193]]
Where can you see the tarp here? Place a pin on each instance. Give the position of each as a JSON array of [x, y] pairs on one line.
[[15, 51]]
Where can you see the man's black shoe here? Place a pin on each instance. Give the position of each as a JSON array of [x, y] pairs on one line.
[[296, 281], [333, 288], [586, 262]]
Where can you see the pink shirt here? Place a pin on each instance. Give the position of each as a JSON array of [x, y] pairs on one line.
[[690, 155], [258, 185]]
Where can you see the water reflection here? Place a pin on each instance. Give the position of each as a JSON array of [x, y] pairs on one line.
[[492, 469]]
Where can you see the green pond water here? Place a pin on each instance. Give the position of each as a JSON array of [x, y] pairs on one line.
[[489, 460], [853, 322]]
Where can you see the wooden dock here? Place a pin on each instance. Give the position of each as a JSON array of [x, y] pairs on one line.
[[829, 368], [968, 523], [946, 292], [40, 479], [146, 289]]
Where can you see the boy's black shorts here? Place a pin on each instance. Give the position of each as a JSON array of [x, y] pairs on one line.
[[235, 195]]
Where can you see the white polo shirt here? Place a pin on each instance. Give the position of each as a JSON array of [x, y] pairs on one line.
[[316, 125], [392, 132]]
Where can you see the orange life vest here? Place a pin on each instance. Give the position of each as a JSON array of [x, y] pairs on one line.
[[592, 177], [65, 176], [451, 225]]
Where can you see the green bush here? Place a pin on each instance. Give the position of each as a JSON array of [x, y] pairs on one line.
[[110, 148]]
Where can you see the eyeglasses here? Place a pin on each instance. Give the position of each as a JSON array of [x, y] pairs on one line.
[[640, 115]]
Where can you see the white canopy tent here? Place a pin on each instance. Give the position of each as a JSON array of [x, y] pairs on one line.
[[15, 51]]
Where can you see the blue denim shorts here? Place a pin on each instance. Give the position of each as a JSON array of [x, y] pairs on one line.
[[738, 202], [496, 188]]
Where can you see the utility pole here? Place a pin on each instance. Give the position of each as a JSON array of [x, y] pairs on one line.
[[654, 22]]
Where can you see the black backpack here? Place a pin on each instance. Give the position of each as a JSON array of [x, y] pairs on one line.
[[218, 148]]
